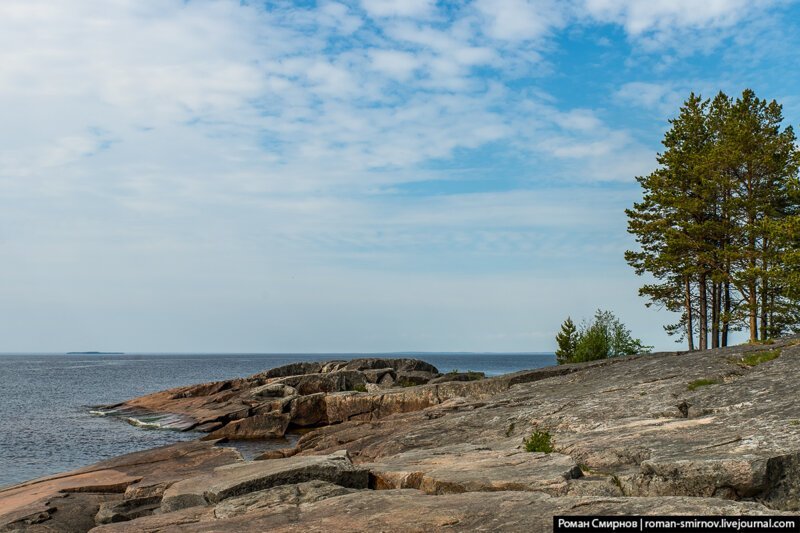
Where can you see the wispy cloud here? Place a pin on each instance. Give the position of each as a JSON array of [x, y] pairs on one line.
[[145, 144]]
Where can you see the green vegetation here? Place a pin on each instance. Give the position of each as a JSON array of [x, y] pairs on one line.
[[470, 374], [703, 382], [719, 223], [757, 358], [360, 388], [794, 422], [539, 441], [567, 340], [604, 337]]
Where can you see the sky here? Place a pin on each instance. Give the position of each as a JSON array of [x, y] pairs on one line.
[[366, 176]]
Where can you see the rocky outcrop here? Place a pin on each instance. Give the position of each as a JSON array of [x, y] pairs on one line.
[[267, 404], [706, 433]]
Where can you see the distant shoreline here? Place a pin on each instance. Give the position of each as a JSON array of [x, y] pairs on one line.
[[95, 353]]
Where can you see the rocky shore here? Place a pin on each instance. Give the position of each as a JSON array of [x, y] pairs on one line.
[[393, 445]]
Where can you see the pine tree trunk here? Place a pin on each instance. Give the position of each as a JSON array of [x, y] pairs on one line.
[[753, 304], [727, 316], [689, 321], [764, 309], [765, 290], [703, 312], [714, 314]]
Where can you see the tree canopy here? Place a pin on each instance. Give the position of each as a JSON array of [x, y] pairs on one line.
[[718, 226]]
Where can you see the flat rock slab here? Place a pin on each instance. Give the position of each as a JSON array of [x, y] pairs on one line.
[[161, 522], [412, 511], [136, 475], [21, 502], [279, 497], [466, 468], [235, 480]]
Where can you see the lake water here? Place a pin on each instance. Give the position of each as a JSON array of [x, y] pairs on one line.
[[45, 399]]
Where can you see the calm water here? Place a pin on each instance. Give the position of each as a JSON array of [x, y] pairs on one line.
[[46, 427]]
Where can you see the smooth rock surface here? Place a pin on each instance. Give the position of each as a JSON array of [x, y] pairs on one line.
[[411, 510], [234, 480], [462, 468]]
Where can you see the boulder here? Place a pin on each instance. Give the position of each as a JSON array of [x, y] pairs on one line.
[[410, 378], [377, 375], [309, 410], [123, 510], [272, 390], [344, 380], [292, 369], [458, 376], [398, 364], [262, 426]]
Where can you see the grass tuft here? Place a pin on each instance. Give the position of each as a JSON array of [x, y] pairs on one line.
[[539, 441], [703, 382], [755, 359]]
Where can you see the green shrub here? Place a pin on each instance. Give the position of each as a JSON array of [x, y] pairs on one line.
[[703, 382], [604, 337], [360, 388], [539, 441]]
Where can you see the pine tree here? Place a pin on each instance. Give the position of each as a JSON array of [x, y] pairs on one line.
[[566, 339], [718, 223]]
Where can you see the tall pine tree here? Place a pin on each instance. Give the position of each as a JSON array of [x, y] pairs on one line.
[[717, 224]]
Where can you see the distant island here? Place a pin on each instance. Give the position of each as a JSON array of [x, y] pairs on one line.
[[95, 353]]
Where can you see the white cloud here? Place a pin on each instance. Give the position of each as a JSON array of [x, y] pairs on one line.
[[396, 64], [398, 8], [521, 19], [659, 15]]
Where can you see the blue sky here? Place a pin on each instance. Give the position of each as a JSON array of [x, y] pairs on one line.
[[358, 176]]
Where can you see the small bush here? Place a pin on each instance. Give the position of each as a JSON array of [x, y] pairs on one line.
[[757, 358], [704, 382], [360, 388], [539, 441]]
